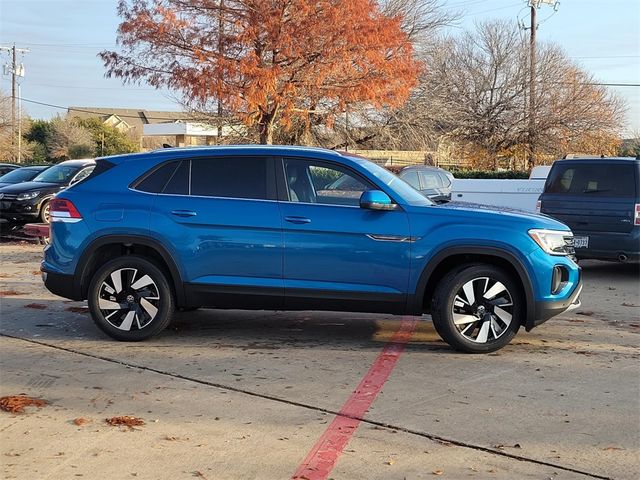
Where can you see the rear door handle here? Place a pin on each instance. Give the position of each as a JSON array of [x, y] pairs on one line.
[[297, 220], [183, 213]]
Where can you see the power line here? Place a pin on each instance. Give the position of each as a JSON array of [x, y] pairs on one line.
[[82, 110]]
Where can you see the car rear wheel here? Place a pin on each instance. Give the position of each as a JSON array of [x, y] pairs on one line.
[[477, 308], [130, 299]]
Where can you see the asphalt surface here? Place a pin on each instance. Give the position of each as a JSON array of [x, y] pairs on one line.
[[237, 394]]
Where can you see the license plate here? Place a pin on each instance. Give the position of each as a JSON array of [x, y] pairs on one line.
[[581, 242]]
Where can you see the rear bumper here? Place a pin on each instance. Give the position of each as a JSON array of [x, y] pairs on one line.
[[611, 246], [61, 285], [546, 310]]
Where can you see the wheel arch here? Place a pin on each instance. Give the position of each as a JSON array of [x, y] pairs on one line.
[[451, 257], [110, 246]]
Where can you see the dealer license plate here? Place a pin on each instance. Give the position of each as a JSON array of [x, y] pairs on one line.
[[581, 242]]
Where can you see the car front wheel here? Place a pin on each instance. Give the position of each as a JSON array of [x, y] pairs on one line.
[[477, 308], [130, 299]]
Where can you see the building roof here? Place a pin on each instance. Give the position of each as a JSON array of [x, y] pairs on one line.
[[133, 117]]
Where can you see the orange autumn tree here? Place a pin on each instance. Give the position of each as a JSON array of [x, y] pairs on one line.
[[267, 61]]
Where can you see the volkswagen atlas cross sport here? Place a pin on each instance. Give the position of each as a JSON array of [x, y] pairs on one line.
[[256, 227]]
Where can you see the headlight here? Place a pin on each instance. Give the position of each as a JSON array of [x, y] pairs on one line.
[[28, 195], [554, 242]]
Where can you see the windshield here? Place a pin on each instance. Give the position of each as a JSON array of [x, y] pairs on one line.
[[404, 190], [58, 174], [19, 175]]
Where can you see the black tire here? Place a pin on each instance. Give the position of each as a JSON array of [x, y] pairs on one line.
[[466, 293], [144, 301], [44, 212]]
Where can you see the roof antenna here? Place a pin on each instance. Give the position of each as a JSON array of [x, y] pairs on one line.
[[166, 145]]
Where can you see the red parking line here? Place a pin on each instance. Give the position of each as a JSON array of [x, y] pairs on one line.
[[323, 456]]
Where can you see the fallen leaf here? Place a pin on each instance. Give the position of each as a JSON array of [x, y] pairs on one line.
[[125, 421], [587, 313], [608, 449], [626, 304], [390, 462], [36, 306], [80, 421], [16, 403], [438, 472]]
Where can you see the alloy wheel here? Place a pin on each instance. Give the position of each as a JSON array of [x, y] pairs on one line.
[[482, 310], [128, 299]]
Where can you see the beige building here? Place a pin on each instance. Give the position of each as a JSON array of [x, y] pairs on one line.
[[154, 128]]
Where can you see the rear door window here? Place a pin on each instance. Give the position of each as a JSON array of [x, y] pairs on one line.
[[231, 177], [614, 180]]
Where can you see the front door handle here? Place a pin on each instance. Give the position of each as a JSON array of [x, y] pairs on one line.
[[183, 213], [297, 220]]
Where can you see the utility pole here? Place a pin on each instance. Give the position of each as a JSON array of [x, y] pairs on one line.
[[534, 5], [17, 70], [532, 86]]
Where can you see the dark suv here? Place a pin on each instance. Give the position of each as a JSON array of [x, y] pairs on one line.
[[29, 201], [599, 199]]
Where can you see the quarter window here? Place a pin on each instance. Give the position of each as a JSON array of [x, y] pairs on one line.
[[157, 179], [178, 183]]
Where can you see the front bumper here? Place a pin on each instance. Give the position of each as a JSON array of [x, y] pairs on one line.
[[546, 310], [19, 211]]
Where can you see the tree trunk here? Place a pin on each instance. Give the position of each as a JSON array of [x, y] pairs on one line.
[[266, 133]]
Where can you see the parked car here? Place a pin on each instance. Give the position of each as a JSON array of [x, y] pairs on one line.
[[7, 167], [245, 227], [19, 175], [30, 201], [599, 199], [433, 182]]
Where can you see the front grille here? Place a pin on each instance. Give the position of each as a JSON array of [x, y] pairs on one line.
[[9, 196]]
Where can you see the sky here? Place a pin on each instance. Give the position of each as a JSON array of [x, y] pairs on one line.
[[64, 37]]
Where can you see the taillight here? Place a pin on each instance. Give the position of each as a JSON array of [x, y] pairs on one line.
[[538, 206], [636, 215], [63, 210]]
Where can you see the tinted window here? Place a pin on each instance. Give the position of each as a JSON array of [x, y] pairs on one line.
[[157, 179], [178, 183], [316, 182], [233, 177], [411, 177], [614, 180]]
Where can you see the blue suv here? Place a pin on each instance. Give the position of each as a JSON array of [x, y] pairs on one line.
[[293, 228]]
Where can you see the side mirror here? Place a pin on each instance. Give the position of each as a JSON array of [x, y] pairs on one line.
[[376, 200]]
